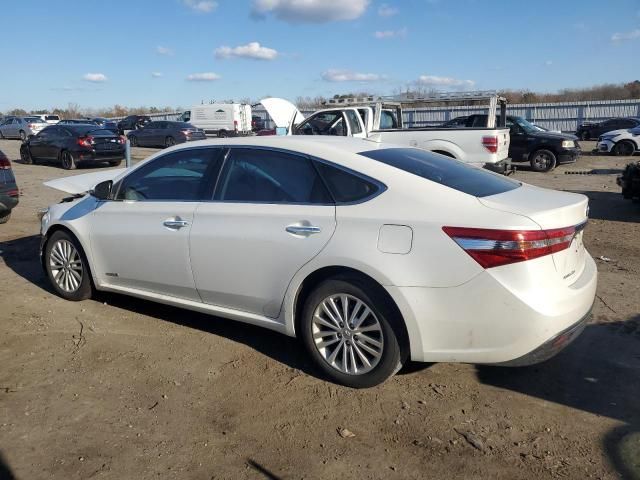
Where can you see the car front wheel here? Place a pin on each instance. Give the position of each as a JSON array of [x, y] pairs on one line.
[[66, 267], [347, 328], [625, 148]]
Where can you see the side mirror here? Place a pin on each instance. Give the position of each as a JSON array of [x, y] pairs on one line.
[[102, 191], [281, 130]]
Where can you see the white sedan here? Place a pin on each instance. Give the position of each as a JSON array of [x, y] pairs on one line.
[[370, 254], [623, 142]]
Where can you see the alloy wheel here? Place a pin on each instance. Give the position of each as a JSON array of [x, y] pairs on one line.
[[347, 334], [65, 264], [543, 161]]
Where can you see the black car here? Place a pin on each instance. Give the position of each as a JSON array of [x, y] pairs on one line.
[[133, 122], [9, 192], [76, 121], [106, 123], [589, 130], [164, 133], [257, 123], [543, 150], [72, 145]]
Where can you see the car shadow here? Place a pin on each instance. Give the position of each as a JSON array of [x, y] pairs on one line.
[[5, 470], [611, 206], [600, 374]]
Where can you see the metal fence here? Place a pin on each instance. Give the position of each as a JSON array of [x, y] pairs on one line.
[[553, 116]]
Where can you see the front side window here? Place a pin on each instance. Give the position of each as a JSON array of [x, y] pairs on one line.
[[185, 175], [268, 176], [324, 123]]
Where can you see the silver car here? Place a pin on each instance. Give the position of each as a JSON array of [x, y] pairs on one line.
[[21, 127]]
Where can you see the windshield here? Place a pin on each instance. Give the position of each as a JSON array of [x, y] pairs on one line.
[[526, 126], [445, 171]]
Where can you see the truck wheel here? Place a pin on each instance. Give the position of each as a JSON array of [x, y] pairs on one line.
[[222, 134], [624, 148], [543, 160]]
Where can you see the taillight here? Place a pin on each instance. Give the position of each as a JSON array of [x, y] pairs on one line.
[[14, 193], [122, 140], [5, 164], [31, 125], [490, 143], [492, 248], [85, 141]]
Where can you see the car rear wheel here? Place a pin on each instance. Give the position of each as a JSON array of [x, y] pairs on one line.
[[222, 133], [624, 148], [169, 142], [23, 135], [67, 267], [25, 155], [346, 327], [68, 162], [4, 217], [543, 160]]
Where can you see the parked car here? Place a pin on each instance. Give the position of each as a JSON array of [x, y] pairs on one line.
[[589, 130], [133, 122], [542, 149], [341, 242], [222, 119], [21, 127], [620, 142], [257, 123], [9, 193], [77, 121], [164, 133], [72, 145], [106, 123], [48, 118]]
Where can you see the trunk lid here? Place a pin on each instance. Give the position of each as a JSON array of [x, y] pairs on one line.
[[550, 209], [282, 112]]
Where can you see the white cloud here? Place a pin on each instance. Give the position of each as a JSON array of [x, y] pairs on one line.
[[95, 77], [620, 37], [156, 74], [382, 34], [444, 82], [548, 63], [252, 50], [310, 11], [164, 50], [201, 6], [387, 11], [203, 77], [335, 75]]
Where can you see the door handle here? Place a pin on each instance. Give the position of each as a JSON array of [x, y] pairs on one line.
[[304, 230], [175, 223]]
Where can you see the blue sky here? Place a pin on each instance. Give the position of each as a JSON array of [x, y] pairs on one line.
[[179, 52]]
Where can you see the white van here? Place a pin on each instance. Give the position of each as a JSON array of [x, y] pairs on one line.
[[223, 119], [47, 118]]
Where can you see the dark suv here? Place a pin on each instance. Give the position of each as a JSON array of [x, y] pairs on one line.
[[543, 150], [589, 130], [133, 122], [8, 189]]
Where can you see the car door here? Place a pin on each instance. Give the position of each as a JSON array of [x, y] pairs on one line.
[[146, 135], [140, 239], [13, 128], [38, 143], [271, 214], [519, 141]]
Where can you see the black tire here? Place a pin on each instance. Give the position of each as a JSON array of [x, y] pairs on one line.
[[4, 217], [115, 163], [25, 155], [23, 135], [67, 160], [388, 333], [133, 140], [585, 135], [624, 148], [169, 142], [222, 134], [84, 289], [542, 160]]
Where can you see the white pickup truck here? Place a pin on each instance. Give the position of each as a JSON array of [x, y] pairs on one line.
[[382, 121]]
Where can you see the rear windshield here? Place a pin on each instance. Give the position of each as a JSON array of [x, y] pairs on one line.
[[89, 129], [34, 120], [52, 117], [445, 171]]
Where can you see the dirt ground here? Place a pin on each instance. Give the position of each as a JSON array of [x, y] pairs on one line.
[[123, 388]]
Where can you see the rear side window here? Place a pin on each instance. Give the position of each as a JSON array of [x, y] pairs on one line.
[[347, 187], [268, 176], [448, 172], [354, 124]]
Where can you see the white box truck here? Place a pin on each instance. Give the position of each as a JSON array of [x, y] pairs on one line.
[[222, 119]]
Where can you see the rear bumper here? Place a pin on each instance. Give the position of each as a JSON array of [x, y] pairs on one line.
[[501, 315], [7, 203], [92, 156]]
